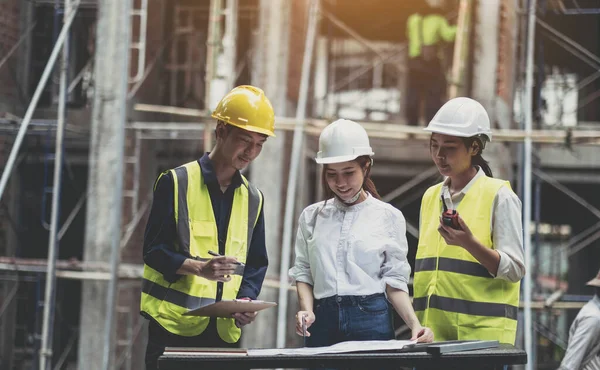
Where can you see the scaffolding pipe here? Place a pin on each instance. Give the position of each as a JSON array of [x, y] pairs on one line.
[[23, 37], [572, 49], [355, 35], [147, 70], [410, 184], [569, 41], [72, 216], [50, 294], [290, 197], [527, 177], [34, 101], [571, 194], [80, 75]]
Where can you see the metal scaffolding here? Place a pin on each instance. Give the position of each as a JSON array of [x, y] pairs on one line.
[[303, 128]]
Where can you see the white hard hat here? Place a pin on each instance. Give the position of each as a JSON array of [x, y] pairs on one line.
[[462, 117], [343, 141]]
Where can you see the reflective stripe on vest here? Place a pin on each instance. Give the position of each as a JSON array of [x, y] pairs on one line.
[[453, 293], [196, 235], [466, 307]]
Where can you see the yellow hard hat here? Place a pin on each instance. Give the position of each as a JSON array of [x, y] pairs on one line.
[[248, 108]]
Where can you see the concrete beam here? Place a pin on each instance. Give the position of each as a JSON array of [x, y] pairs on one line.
[[583, 157]]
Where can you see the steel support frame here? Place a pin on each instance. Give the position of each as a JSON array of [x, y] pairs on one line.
[[124, 238], [527, 177], [45, 354], [8, 168]]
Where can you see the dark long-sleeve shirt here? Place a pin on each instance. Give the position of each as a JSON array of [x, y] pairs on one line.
[[159, 252]]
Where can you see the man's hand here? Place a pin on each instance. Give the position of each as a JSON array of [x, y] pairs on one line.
[[217, 268], [244, 318]]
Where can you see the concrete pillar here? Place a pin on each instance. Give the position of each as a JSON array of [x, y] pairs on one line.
[[321, 71], [270, 74], [485, 34], [105, 181]]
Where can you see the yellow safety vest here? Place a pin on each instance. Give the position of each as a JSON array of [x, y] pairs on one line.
[[197, 234], [427, 31], [454, 294]]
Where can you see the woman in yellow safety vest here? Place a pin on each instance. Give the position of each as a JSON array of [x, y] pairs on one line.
[[470, 254], [351, 250]]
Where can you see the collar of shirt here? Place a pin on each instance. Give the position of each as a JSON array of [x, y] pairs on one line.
[[450, 199], [596, 300], [354, 207], [209, 175]]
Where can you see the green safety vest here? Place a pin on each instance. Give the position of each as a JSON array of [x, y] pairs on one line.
[[196, 235], [454, 294], [427, 30]]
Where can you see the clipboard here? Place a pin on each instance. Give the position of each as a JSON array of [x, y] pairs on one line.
[[227, 308]]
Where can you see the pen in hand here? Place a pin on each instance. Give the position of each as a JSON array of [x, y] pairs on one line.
[[218, 255], [304, 329]]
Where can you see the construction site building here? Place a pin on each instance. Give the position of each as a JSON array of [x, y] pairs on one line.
[[182, 57]]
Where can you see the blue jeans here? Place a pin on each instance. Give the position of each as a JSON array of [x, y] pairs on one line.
[[346, 318]]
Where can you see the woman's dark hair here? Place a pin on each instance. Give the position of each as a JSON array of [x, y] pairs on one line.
[[368, 184], [478, 160]]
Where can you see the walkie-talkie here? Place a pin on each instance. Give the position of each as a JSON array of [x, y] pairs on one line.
[[449, 216]]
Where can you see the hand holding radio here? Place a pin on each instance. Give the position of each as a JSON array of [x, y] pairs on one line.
[[460, 235], [450, 218]]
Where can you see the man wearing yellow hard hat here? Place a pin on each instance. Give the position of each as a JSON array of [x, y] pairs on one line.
[[205, 237]]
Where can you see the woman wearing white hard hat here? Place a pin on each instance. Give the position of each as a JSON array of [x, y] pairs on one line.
[[351, 250], [470, 254]]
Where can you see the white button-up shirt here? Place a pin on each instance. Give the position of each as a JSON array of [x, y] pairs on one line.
[[351, 250], [506, 227], [583, 352]]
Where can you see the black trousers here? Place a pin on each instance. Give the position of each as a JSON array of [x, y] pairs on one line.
[[159, 338], [426, 84]]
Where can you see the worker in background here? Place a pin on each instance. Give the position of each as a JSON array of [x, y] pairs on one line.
[[426, 32], [202, 209], [583, 352], [469, 259], [351, 250]]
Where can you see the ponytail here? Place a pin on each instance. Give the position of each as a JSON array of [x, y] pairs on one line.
[[366, 162], [479, 161]]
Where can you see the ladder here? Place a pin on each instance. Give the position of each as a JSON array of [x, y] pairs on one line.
[[138, 47], [131, 186]]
